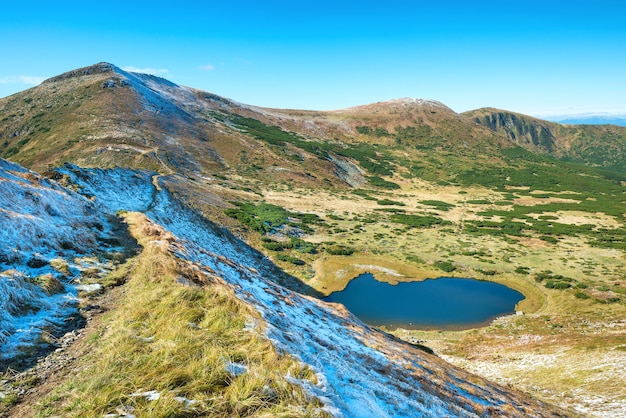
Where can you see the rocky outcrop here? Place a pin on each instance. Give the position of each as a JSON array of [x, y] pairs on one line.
[[347, 171], [100, 68], [525, 131]]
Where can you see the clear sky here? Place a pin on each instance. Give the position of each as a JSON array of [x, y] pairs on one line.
[[534, 57]]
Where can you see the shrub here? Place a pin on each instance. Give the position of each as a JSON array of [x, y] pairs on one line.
[[339, 250], [549, 239], [522, 270], [293, 260], [556, 284], [274, 245], [446, 266], [364, 130], [363, 193], [418, 221], [305, 247], [264, 217], [382, 183], [437, 204], [389, 202], [415, 259]]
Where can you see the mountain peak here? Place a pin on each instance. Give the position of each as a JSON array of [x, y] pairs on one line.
[[100, 68], [406, 103]]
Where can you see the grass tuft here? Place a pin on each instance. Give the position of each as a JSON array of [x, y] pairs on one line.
[[177, 340]]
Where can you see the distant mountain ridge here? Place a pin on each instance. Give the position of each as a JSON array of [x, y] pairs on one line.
[[619, 120], [102, 115], [595, 145]]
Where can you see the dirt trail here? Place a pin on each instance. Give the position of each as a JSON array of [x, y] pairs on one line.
[[35, 384]]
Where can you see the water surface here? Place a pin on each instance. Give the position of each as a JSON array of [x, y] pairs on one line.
[[443, 303]]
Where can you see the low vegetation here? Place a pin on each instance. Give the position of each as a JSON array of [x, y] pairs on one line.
[[435, 193], [169, 349]]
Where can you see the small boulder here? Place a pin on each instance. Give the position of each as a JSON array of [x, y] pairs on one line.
[[37, 262]]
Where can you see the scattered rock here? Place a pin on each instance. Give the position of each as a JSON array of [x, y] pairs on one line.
[[37, 262]]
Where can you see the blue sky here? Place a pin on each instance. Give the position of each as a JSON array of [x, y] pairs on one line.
[[533, 57]]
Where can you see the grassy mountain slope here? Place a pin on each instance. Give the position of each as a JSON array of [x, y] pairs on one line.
[[200, 328], [595, 145], [406, 189]]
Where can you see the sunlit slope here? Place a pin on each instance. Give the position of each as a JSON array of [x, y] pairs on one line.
[[594, 145], [104, 116]]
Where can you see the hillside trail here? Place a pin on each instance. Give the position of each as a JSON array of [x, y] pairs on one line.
[[39, 382]]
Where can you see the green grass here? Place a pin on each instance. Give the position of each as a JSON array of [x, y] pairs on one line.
[[264, 217], [365, 154], [418, 221], [438, 204]]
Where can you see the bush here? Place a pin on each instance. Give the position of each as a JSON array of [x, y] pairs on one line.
[[305, 247], [364, 130], [264, 217], [293, 260], [555, 284], [522, 270], [363, 193], [415, 259], [418, 221], [549, 239], [388, 202], [437, 204], [274, 245], [446, 266], [339, 250], [382, 183]]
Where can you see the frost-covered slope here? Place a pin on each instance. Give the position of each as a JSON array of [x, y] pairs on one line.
[[360, 371], [48, 236]]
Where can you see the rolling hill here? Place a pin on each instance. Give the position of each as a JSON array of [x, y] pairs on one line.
[[595, 145], [258, 212]]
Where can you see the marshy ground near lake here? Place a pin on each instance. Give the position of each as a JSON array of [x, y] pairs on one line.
[[567, 347]]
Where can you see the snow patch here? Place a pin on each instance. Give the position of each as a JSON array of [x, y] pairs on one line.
[[359, 371], [42, 226], [236, 369], [372, 267], [150, 395]]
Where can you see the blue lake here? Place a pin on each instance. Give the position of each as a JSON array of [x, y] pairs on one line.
[[443, 303]]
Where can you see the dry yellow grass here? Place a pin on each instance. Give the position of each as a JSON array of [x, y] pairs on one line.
[[564, 350], [180, 341]]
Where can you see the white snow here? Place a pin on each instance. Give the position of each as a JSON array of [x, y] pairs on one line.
[[25, 310], [359, 372], [236, 369], [40, 221], [118, 189], [415, 101], [150, 395], [89, 288]]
